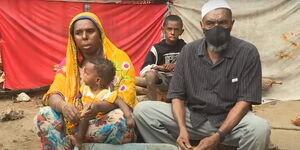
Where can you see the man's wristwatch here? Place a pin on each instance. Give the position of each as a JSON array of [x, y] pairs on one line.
[[222, 135]]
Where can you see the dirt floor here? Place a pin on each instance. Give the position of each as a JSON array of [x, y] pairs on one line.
[[279, 114], [19, 134]]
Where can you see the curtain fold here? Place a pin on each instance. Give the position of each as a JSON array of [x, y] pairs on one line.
[[34, 35]]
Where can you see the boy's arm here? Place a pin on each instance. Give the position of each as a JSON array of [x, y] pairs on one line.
[[100, 106], [82, 129], [83, 124], [150, 61]]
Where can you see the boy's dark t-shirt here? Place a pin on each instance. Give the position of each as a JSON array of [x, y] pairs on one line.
[[157, 52]]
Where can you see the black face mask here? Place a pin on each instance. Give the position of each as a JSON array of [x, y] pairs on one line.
[[217, 35]]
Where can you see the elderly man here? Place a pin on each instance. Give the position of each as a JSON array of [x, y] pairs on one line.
[[216, 81]]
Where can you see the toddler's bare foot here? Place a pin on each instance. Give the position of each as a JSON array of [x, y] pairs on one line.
[[75, 141]]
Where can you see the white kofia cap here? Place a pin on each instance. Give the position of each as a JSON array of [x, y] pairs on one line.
[[212, 5]]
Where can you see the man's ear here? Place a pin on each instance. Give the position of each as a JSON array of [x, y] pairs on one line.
[[201, 24], [232, 24]]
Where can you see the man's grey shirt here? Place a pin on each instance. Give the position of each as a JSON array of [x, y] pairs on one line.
[[211, 90]]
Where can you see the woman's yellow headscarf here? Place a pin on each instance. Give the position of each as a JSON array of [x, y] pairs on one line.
[[67, 78]]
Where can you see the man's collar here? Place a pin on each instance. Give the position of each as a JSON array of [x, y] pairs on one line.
[[202, 48]]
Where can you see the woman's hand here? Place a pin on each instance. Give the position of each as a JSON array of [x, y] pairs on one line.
[[71, 112], [130, 123]]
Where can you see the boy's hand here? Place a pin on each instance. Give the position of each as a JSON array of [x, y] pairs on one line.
[[91, 112], [130, 123], [75, 141], [159, 68], [86, 109], [169, 67]]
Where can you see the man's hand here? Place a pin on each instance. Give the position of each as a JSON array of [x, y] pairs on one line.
[[178, 110], [71, 113], [183, 140], [208, 143]]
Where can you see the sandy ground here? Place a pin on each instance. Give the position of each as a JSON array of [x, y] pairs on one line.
[[19, 134], [279, 114]]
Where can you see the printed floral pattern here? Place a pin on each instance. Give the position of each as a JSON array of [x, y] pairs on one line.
[[125, 65], [123, 88], [110, 128]]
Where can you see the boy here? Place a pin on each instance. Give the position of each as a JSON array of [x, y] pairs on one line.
[[158, 67], [98, 73]]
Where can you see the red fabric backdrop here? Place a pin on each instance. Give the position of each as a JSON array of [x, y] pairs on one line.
[[34, 35]]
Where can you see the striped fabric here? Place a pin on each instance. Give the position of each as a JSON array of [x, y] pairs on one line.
[[211, 90]]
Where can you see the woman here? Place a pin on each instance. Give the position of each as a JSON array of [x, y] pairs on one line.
[[54, 122]]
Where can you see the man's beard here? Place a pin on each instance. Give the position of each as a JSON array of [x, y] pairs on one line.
[[218, 49]]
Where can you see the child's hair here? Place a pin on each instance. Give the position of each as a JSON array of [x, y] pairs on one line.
[[172, 18], [105, 69]]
